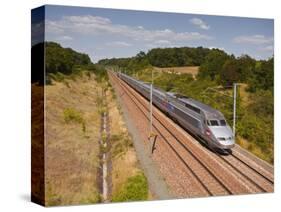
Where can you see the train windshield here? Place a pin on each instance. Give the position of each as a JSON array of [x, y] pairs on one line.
[[213, 123], [222, 122]]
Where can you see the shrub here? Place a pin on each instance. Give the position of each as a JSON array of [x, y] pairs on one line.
[[73, 116], [59, 77], [136, 188]]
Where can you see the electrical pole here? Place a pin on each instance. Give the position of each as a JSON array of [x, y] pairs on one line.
[[150, 108], [234, 109], [151, 115]]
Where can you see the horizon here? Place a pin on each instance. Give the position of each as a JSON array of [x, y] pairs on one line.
[[163, 48]]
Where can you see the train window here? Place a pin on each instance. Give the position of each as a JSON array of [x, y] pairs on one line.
[[195, 109], [222, 122], [213, 123]]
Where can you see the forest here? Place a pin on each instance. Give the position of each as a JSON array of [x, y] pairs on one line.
[[60, 62], [162, 57], [64, 60]]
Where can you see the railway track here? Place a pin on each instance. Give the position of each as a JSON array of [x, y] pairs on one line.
[[214, 174], [203, 191], [260, 170]]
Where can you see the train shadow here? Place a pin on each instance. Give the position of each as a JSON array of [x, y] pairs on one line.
[[217, 151]]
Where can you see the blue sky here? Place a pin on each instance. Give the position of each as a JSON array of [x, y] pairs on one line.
[[107, 33]]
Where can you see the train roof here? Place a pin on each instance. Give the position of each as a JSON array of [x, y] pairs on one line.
[[209, 111], [198, 104]]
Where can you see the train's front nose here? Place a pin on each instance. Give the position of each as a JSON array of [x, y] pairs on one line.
[[224, 136]]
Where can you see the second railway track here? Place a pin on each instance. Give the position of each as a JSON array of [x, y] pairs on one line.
[[214, 174]]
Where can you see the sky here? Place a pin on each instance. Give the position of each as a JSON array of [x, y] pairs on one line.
[[108, 33]]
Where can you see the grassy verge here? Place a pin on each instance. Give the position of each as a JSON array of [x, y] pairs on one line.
[[72, 135], [135, 189], [128, 180]]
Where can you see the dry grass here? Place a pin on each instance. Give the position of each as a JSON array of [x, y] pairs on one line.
[[124, 160], [193, 70], [72, 149]]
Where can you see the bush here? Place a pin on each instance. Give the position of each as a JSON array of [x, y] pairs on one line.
[[59, 77], [73, 116], [64, 60], [99, 71], [136, 188]]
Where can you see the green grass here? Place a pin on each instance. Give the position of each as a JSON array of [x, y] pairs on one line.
[[59, 77], [65, 78], [135, 189], [71, 115]]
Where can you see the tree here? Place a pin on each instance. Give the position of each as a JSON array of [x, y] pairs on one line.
[[183, 56], [263, 76], [141, 55], [245, 67], [212, 64], [230, 72], [59, 59]]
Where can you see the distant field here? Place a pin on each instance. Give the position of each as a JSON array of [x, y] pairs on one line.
[[186, 70]]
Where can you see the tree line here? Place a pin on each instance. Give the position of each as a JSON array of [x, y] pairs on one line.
[[63, 60], [227, 69], [214, 64], [161, 57], [57, 60]]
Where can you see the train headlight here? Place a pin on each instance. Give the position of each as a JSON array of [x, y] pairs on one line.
[[208, 132]]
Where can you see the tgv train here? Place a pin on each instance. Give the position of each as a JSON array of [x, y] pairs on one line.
[[200, 119]]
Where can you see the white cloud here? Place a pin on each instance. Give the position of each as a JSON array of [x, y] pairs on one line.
[[159, 43], [253, 39], [53, 27], [119, 44], [164, 42], [64, 38], [199, 23], [269, 48], [95, 25]]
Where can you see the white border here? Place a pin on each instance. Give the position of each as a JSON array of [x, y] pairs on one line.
[[15, 102]]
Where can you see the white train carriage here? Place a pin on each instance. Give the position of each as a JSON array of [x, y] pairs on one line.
[[200, 119]]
